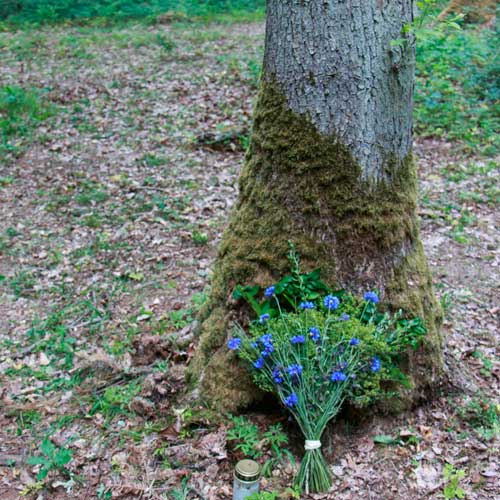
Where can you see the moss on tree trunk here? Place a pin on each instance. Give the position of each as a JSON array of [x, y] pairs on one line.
[[300, 185]]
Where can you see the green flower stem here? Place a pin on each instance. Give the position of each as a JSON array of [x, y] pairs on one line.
[[314, 475]]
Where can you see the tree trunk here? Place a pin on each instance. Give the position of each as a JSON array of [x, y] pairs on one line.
[[330, 168], [475, 11]]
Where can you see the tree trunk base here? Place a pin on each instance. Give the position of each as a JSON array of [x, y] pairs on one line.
[[298, 185]]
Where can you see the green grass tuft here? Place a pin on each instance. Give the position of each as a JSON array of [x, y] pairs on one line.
[[21, 111]]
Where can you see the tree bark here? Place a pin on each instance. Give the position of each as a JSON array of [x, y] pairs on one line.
[[330, 168]]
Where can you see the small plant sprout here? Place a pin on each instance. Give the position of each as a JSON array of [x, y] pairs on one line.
[[452, 477], [51, 458]]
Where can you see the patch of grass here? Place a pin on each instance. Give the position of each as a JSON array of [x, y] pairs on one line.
[[180, 318], [92, 221], [90, 193], [100, 244], [247, 69], [461, 172], [6, 181], [482, 415], [116, 400], [21, 111], [487, 364], [22, 284], [465, 219], [199, 238], [152, 160], [53, 334], [457, 87], [27, 419]]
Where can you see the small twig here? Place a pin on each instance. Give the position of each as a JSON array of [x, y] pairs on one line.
[[86, 323], [123, 377], [152, 188]]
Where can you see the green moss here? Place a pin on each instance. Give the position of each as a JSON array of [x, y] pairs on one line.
[[299, 185]]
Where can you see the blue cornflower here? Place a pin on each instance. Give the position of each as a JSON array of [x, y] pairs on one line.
[[371, 297], [338, 377], [306, 305], [263, 318], [294, 370], [254, 345], [259, 363], [375, 366], [234, 344], [267, 351], [331, 302], [269, 292], [278, 379], [344, 317], [267, 340], [314, 334], [298, 339], [354, 341], [291, 400]]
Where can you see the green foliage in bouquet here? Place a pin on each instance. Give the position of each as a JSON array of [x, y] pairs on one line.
[[292, 289], [318, 354]]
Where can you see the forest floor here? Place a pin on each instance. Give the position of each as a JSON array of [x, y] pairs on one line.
[[110, 218]]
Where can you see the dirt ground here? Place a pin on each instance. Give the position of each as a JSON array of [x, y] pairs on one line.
[[109, 224]]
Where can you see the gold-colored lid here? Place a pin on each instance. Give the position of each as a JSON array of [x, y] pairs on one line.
[[247, 470]]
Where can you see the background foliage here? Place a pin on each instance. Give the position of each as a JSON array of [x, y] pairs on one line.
[[42, 11], [458, 86]]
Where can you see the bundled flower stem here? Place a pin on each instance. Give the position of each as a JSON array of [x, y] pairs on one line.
[[317, 356]]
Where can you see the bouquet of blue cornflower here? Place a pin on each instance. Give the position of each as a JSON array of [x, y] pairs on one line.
[[319, 354]]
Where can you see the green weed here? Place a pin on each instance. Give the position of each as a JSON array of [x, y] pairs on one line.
[[53, 334], [459, 224], [452, 488], [104, 493], [51, 458], [246, 436], [252, 442], [182, 492], [482, 415], [6, 181], [22, 284], [199, 238], [26, 420], [116, 399], [446, 302], [263, 495], [93, 221], [487, 368], [152, 160]]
